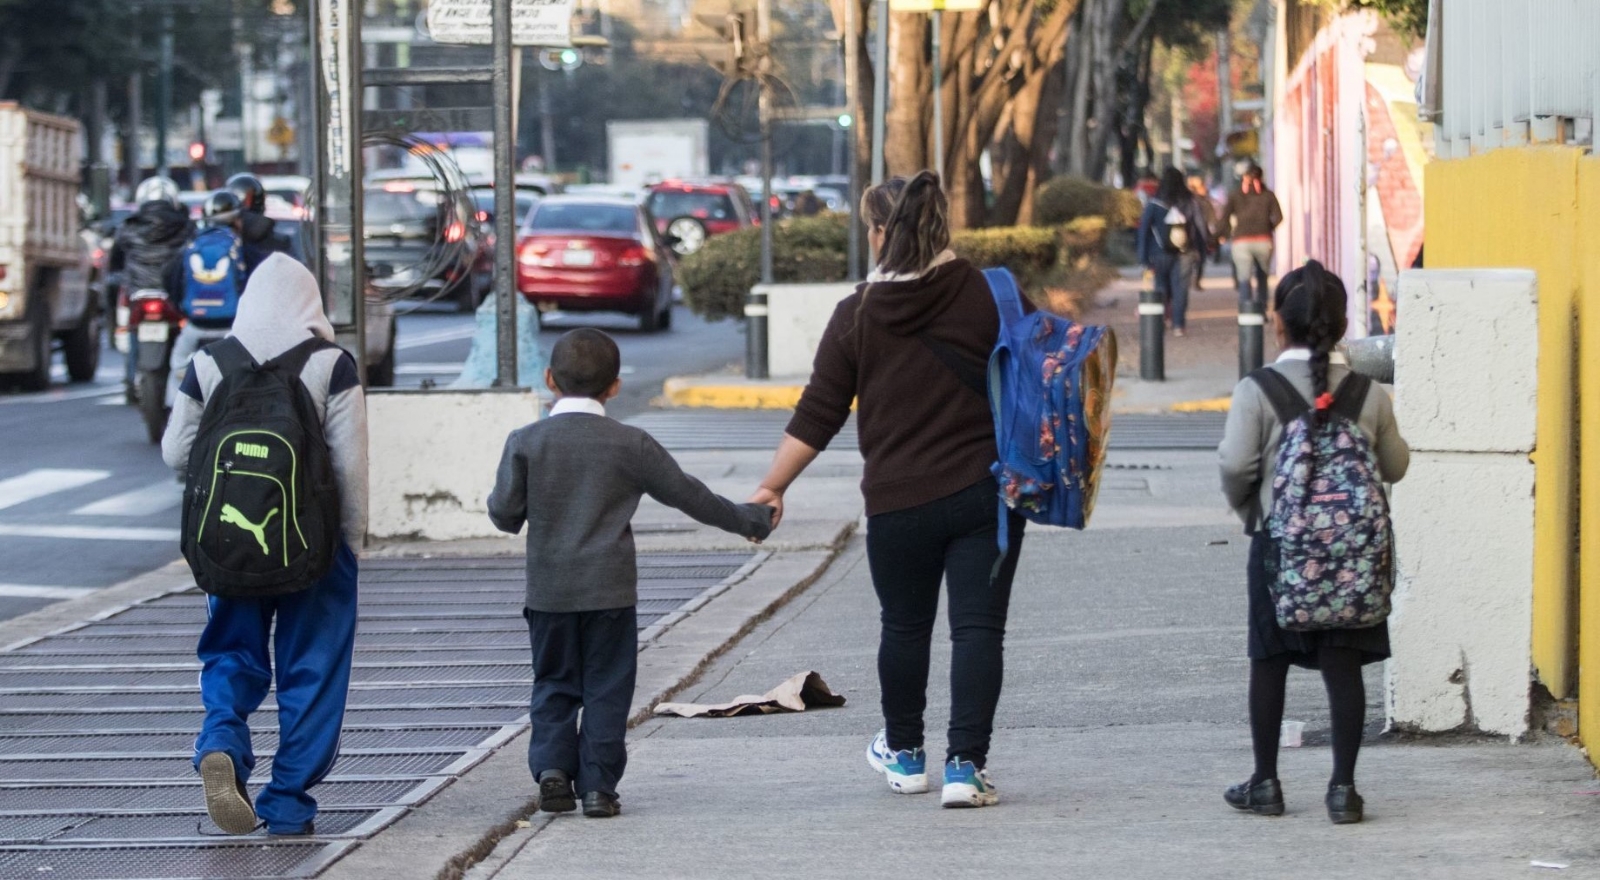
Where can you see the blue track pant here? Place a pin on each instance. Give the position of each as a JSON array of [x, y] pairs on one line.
[[313, 643]]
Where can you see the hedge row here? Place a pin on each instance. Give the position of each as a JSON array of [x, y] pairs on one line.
[[717, 278], [1067, 198]]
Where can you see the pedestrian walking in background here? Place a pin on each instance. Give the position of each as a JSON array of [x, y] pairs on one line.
[[1172, 242], [281, 323], [1208, 219], [1310, 393], [929, 441], [575, 479], [1248, 220]]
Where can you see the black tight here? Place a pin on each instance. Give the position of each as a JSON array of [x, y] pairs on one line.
[[1347, 702]]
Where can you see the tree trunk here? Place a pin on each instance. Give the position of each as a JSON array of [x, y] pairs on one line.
[[1081, 63], [906, 128], [1106, 60]]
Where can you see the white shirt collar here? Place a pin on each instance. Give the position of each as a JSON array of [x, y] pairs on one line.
[[586, 405], [1304, 354]]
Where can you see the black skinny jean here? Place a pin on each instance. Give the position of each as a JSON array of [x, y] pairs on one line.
[[909, 552]]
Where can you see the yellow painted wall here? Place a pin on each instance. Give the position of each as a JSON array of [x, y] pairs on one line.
[[1518, 208], [1585, 252]]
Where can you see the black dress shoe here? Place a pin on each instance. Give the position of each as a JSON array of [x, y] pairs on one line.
[[555, 792], [1265, 798], [599, 805], [1344, 805]]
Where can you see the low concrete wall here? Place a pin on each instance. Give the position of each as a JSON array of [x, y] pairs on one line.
[[1466, 356], [797, 315], [433, 459]]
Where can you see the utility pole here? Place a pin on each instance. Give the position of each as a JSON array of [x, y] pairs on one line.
[[852, 104], [1225, 96], [164, 97], [755, 311], [880, 89], [547, 123], [938, 90]]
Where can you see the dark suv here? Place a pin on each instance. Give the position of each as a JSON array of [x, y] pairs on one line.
[[693, 212], [432, 245]]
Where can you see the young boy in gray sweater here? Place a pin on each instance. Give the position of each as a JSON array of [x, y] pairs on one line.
[[576, 479]]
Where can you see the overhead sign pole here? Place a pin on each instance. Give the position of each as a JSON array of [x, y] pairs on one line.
[[505, 230], [880, 90], [755, 309]]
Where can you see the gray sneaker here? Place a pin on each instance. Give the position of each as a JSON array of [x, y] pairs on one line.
[[227, 800]]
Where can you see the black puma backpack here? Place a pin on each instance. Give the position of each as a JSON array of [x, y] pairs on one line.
[[261, 508]]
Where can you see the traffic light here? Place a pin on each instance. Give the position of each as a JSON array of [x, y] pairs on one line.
[[730, 28], [197, 152], [561, 59], [846, 120]]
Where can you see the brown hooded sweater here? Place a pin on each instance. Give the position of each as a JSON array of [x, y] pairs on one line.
[[924, 434]]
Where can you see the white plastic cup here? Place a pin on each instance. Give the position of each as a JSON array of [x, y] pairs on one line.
[[1289, 735]]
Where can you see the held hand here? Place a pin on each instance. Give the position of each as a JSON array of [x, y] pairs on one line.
[[772, 499]]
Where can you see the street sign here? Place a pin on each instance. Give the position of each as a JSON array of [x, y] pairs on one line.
[[281, 134], [534, 22], [935, 5]]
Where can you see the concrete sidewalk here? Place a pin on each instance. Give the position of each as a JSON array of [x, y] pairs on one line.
[[1123, 720]]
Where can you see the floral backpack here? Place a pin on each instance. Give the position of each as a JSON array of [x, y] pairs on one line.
[[1330, 516]]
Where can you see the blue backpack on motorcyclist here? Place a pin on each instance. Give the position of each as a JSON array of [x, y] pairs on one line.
[[213, 265]]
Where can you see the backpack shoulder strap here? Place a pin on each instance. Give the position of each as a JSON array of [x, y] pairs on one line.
[[1286, 400], [230, 356], [1007, 298], [294, 360], [963, 369], [1351, 398]]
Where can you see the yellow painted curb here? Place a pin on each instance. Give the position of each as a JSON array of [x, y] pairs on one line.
[[1215, 404], [692, 393]]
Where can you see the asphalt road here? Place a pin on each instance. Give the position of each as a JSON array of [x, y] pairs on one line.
[[86, 503]]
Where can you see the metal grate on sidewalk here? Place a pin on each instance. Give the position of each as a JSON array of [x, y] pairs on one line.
[[97, 721]]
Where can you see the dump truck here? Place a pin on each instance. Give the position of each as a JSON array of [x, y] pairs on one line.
[[46, 265]]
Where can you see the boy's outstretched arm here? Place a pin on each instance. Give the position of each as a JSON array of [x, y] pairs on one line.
[[508, 503], [666, 482]]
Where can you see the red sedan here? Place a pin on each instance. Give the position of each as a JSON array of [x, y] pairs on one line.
[[595, 254]]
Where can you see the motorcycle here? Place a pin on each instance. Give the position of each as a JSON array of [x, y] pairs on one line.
[[154, 321]]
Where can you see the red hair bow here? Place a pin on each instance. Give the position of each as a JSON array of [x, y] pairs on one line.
[[1325, 401]]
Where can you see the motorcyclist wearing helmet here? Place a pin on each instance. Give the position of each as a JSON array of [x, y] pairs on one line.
[[222, 210], [147, 245], [257, 230]]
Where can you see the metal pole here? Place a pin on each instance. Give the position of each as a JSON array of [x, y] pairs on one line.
[[938, 90], [1225, 96], [547, 125], [164, 95], [755, 310], [852, 64], [1252, 335], [336, 65], [505, 229], [880, 90], [1152, 337]]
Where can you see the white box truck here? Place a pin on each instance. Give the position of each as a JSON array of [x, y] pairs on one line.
[[45, 263], [644, 152]]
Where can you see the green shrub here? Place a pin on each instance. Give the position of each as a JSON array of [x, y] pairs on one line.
[[1067, 198], [717, 279], [1025, 250], [1083, 238]]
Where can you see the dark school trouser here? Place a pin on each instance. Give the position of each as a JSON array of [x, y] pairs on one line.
[[582, 660], [313, 644], [953, 539]]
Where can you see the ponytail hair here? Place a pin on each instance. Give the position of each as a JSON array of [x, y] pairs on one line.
[[917, 229], [1311, 305], [877, 203]]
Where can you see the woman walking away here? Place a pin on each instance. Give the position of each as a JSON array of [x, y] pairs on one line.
[[905, 347], [1311, 394], [1172, 241]]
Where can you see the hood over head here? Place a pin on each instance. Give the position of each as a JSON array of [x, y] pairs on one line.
[[257, 228], [156, 223], [905, 307], [281, 307]]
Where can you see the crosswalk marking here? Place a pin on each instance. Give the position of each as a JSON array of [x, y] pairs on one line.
[[28, 591], [434, 337], [145, 501], [44, 481], [60, 395], [88, 533]]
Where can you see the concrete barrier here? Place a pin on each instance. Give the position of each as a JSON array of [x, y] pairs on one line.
[[1466, 357], [434, 456], [797, 315]]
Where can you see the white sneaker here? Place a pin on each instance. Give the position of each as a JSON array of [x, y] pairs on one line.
[[905, 770], [967, 786]]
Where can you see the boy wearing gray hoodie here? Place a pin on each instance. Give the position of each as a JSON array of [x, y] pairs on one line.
[[281, 308]]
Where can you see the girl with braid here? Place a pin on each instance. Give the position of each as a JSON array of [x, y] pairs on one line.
[[1309, 318]]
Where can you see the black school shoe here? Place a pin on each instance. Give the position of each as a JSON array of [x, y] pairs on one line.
[[1265, 798], [555, 792], [1344, 805], [599, 805]]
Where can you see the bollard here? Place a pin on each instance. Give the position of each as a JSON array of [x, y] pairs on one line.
[[755, 334], [1152, 337], [1252, 336]]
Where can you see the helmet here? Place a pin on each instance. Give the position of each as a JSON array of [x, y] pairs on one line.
[[221, 207], [157, 189], [252, 195]]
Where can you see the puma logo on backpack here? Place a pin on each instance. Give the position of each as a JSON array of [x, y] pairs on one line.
[[1330, 515], [261, 508]]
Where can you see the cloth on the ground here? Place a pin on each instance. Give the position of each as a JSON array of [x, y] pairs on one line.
[[282, 307], [802, 691]]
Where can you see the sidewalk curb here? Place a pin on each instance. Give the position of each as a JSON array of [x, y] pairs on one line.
[[464, 822], [1209, 405], [711, 393]]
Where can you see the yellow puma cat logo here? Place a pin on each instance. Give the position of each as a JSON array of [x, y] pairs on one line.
[[232, 516], [197, 267]]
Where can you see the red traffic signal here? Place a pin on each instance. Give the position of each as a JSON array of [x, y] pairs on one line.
[[197, 152]]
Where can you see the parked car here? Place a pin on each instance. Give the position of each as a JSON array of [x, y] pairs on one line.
[[591, 253], [434, 245], [693, 212]]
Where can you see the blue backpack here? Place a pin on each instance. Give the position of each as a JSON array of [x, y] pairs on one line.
[[213, 275], [1050, 390]]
